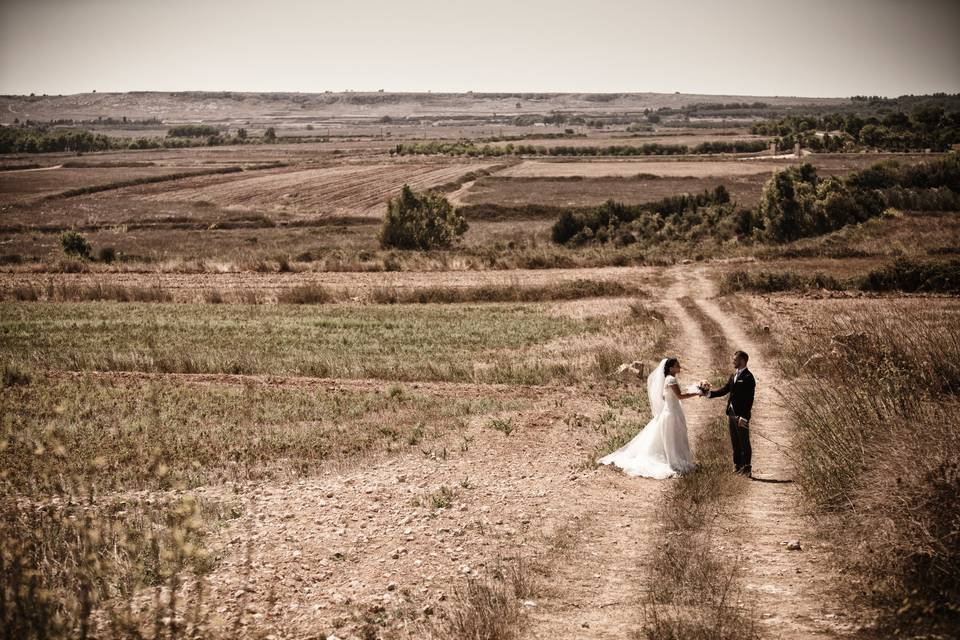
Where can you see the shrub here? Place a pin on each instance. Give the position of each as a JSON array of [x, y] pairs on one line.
[[421, 221], [192, 131], [75, 244], [14, 375], [107, 254], [770, 282], [679, 215], [912, 276], [305, 294]]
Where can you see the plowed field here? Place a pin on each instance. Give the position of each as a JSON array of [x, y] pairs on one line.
[[354, 189]]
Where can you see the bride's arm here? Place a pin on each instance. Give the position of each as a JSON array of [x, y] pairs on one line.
[[682, 396]]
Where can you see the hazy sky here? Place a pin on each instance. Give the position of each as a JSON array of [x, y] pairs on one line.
[[751, 47]]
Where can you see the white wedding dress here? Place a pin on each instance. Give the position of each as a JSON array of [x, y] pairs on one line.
[[661, 449]]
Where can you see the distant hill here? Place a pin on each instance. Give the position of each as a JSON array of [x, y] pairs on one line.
[[230, 107]]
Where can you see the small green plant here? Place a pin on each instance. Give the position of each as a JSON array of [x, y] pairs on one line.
[[75, 244], [503, 426], [443, 498], [416, 434]]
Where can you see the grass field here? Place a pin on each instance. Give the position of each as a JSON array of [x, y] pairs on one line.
[[491, 343]]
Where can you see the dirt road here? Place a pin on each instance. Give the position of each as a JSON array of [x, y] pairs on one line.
[[790, 590]]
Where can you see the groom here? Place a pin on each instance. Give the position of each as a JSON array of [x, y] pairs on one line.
[[741, 387]]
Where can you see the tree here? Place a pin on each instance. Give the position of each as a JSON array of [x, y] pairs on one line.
[[75, 244], [779, 208], [270, 134], [927, 117], [421, 221], [873, 135]]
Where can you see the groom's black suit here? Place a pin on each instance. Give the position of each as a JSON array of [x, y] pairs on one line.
[[740, 405]]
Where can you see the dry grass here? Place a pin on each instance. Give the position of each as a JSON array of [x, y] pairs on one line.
[[487, 608], [71, 566], [68, 292], [771, 282], [119, 436], [875, 402], [566, 290]]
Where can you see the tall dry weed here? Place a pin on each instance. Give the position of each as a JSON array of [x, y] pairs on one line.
[[875, 401]]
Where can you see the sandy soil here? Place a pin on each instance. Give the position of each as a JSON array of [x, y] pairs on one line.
[[827, 164]]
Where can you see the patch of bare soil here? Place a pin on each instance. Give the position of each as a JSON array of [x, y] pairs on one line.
[[384, 542]]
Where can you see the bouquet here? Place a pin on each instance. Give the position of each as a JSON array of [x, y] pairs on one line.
[[702, 387]]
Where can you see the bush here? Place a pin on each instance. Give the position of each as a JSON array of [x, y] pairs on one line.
[[306, 294], [192, 131], [770, 282], [421, 221], [75, 244], [911, 276], [107, 254], [682, 216]]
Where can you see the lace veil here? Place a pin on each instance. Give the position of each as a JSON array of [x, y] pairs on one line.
[[655, 382]]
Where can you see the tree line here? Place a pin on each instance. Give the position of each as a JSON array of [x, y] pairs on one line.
[[468, 148], [927, 126], [795, 203], [21, 139]]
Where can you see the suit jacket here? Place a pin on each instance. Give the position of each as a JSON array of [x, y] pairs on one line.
[[741, 394]]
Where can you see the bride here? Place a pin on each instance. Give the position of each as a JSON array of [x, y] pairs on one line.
[[661, 449]]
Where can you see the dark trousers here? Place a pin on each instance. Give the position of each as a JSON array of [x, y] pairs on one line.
[[740, 439]]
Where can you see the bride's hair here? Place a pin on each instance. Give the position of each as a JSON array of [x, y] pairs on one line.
[[666, 365]]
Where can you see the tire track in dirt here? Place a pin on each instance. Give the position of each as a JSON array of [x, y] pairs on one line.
[[789, 590], [602, 586]]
